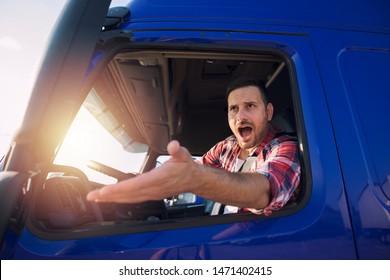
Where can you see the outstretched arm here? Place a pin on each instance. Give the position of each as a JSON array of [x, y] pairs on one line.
[[181, 174]]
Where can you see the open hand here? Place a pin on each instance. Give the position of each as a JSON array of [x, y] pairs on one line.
[[173, 177]]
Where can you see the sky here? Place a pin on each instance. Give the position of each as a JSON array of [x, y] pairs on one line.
[[24, 34]]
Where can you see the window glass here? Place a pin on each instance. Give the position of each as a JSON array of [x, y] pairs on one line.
[[88, 140]]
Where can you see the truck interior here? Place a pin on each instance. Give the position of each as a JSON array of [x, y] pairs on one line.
[[144, 99]]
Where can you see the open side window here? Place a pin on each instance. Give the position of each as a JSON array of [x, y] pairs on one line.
[[140, 101]]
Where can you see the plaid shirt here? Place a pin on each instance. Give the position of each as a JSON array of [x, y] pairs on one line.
[[276, 158]]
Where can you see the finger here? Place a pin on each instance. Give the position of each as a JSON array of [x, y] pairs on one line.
[[130, 191], [109, 193], [104, 196], [101, 195], [178, 152], [97, 196], [173, 147], [92, 195]]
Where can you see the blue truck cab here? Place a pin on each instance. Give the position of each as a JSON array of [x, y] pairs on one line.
[[156, 70]]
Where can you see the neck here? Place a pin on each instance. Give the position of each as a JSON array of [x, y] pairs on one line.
[[244, 153]]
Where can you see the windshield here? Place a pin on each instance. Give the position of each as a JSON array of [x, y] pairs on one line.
[[88, 140]]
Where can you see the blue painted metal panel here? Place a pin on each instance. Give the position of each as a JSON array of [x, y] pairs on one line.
[[303, 235], [360, 14], [342, 177], [355, 74]]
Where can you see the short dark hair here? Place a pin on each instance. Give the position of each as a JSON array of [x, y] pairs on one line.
[[248, 81]]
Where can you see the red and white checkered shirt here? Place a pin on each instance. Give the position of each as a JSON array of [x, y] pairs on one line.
[[277, 158]]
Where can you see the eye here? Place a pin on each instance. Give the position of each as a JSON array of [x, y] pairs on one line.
[[232, 109], [251, 105]]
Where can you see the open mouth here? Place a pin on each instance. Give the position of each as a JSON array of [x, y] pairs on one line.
[[245, 132]]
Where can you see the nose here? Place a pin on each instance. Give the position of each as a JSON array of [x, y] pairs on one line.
[[241, 115]]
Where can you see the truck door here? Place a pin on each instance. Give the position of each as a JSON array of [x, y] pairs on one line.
[[316, 227]]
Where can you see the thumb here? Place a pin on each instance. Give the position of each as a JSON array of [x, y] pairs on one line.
[[178, 152]]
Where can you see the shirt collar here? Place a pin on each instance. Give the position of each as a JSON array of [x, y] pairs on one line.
[[270, 135]]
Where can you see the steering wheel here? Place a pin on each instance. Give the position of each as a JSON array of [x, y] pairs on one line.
[[70, 170], [100, 167], [149, 210]]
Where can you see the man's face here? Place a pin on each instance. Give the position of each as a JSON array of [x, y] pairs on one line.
[[248, 116]]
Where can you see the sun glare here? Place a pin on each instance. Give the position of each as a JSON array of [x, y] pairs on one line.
[[88, 140]]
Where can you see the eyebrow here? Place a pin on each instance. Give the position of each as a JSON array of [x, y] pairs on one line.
[[245, 102], [232, 106]]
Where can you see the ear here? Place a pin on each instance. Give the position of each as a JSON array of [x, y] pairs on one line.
[[270, 111]]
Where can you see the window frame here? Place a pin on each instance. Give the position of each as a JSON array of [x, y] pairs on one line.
[[182, 223]]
